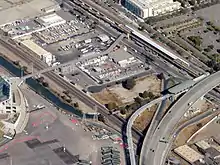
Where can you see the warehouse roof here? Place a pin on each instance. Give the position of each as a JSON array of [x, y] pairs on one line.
[[119, 55], [51, 19], [151, 3], [103, 37], [188, 153], [35, 48], [202, 144]]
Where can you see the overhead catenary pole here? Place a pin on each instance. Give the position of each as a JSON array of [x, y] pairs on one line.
[[95, 117]]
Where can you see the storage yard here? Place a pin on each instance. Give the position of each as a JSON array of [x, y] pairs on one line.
[[60, 33], [117, 65]]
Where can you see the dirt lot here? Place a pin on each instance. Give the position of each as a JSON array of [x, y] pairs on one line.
[[187, 132], [120, 95], [144, 119], [199, 107], [211, 130]]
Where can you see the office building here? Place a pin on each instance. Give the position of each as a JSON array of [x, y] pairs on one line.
[[4, 90], [149, 8]]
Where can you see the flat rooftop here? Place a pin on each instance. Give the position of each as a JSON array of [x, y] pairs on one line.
[[119, 55], [25, 10], [150, 3], [188, 153]]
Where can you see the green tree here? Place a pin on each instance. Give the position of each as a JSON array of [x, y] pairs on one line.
[[68, 100], [197, 40], [40, 79], [24, 68], [138, 100], [145, 94], [76, 105], [45, 84], [111, 105], [101, 118], [128, 84], [192, 2], [17, 63], [211, 46], [123, 111]]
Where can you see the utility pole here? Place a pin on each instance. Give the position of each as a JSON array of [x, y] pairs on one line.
[[95, 117], [128, 36], [32, 68], [11, 163], [22, 74], [84, 118]]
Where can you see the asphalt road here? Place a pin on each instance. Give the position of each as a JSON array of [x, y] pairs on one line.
[[155, 153], [131, 121]]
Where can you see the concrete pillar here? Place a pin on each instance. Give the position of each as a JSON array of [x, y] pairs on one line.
[[128, 36]]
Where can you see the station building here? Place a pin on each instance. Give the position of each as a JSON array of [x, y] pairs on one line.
[[149, 8]]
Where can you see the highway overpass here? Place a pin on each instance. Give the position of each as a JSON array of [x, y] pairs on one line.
[[131, 121], [155, 149]]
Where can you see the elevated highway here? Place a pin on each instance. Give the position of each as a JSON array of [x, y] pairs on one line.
[[131, 121], [159, 144]]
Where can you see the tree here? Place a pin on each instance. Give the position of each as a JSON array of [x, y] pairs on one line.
[[151, 95], [17, 63], [101, 118], [45, 84], [207, 49], [66, 92], [192, 2], [128, 84], [183, 4], [211, 46], [123, 111], [138, 100], [24, 68], [68, 100], [40, 79], [145, 94], [209, 23], [111, 105], [76, 105], [215, 57], [160, 76], [217, 67], [197, 40]]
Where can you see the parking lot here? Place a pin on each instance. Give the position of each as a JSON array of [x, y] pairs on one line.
[[62, 32], [53, 138], [89, 43], [80, 78]]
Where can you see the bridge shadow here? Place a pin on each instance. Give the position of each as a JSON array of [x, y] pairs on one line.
[[125, 140], [144, 132]]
